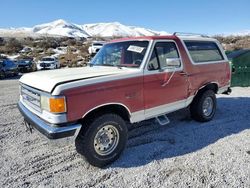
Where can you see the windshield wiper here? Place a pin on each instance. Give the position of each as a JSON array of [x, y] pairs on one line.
[[128, 65], [106, 65]]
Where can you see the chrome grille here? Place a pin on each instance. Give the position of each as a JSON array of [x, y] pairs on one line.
[[31, 98], [45, 64]]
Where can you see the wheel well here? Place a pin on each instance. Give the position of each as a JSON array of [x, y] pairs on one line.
[[111, 108], [211, 86]]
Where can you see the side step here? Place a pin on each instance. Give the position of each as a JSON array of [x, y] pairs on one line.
[[162, 120]]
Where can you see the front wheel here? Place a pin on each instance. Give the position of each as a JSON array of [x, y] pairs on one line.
[[204, 106], [103, 140], [2, 75]]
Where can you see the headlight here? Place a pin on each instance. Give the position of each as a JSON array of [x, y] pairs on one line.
[[53, 104]]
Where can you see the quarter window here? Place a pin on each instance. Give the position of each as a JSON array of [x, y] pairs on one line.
[[203, 51]]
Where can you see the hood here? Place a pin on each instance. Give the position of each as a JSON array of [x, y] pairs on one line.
[[47, 80]]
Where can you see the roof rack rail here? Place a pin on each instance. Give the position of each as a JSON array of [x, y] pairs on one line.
[[189, 34]]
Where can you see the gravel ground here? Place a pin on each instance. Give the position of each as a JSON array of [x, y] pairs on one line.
[[183, 153]]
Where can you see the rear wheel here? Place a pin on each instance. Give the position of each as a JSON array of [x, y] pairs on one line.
[[204, 106], [102, 140]]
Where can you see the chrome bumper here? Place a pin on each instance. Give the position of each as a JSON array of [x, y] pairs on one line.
[[51, 132]]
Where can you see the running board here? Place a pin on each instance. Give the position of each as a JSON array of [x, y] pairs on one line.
[[162, 120]]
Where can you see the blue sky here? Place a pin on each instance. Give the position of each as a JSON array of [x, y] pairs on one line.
[[199, 16]]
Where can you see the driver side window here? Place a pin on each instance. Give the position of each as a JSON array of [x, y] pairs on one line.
[[161, 52]]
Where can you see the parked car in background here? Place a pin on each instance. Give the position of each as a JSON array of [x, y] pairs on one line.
[[95, 47], [48, 63], [26, 50], [26, 65], [8, 68]]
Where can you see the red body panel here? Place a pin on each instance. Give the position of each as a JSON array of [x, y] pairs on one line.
[[157, 92], [128, 92]]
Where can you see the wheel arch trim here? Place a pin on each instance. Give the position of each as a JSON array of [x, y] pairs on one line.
[[204, 85], [107, 104]]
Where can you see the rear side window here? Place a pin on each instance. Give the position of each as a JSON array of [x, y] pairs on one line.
[[203, 51]]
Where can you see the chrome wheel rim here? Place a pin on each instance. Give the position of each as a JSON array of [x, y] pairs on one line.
[[106, 140], [208, 106]]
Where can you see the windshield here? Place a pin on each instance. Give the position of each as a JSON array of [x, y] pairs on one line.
[[122, 54], [48, 59], [9, 63]]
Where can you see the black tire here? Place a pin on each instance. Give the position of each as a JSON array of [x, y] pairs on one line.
[[2, 75], [86, 145], [196, 107]]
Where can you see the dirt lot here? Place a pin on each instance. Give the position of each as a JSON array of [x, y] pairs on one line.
[[183, 153]]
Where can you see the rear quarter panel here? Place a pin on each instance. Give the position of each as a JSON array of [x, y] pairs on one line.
[[200, 74], [203, 74]]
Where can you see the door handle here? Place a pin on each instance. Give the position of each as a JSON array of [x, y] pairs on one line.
[[166, 81]]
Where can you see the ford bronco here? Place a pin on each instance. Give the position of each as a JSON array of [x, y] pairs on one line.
[[129, 80]]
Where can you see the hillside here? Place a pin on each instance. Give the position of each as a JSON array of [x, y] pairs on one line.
[[234, 42], [61, 28], [47, 40]]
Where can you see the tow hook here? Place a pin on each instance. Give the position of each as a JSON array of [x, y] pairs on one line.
[[28, 127]]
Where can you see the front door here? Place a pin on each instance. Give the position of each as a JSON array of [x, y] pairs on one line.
[[165, 87]]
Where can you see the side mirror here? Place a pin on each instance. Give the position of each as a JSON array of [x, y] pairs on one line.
[[173, 62]]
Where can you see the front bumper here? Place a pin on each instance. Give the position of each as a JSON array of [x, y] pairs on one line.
[[51, 67], [51, 132], [25, 69], [45, 68]]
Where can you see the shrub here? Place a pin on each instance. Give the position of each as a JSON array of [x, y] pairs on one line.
[[12, 46], [46, 43]]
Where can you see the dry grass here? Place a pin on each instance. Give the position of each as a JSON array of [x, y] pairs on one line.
[[77, 49]]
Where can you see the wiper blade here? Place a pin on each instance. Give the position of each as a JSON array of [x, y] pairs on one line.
[[105, 65], [128, 65]]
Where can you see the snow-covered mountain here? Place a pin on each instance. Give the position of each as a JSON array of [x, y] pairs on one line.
[[117, 29], [63, 28]]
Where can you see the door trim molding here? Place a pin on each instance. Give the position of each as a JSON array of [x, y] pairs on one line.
[[160, 110]]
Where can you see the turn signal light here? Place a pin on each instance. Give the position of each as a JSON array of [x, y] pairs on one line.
[[57, 105]]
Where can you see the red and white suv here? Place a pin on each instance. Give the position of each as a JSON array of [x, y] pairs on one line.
[[129, 80]]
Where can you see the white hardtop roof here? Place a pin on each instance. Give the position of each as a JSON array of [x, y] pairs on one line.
[[197, 38]]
